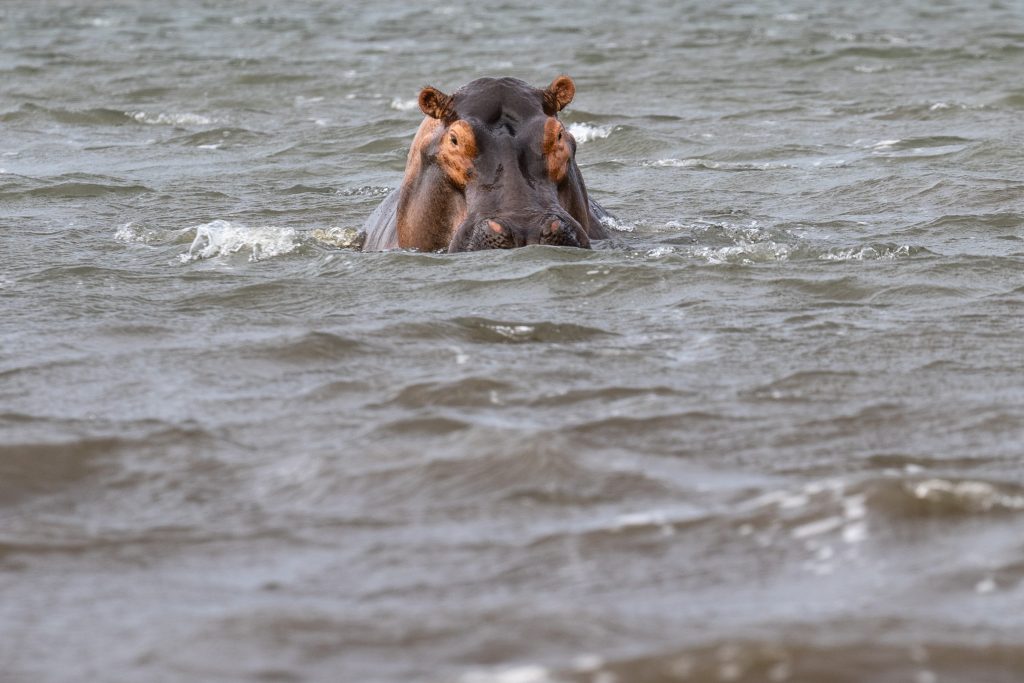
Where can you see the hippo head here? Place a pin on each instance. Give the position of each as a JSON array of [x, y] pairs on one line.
[[492, 167]]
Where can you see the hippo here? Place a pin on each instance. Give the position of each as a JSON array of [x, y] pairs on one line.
[[490, 167]]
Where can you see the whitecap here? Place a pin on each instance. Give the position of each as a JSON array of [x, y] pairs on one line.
[[398, 104], [129, 232], [132, 233], [886, 144], [718, 165], [518, 674], [165, 119], [221, 238], [866, 253], [973, 496], [682, 163], [616, 224], [585, 132]]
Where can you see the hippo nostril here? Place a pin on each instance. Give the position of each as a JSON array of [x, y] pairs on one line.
[[554, 228], [490, 234], [559, 233]]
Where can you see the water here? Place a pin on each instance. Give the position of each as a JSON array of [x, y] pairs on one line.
[[773, 430]]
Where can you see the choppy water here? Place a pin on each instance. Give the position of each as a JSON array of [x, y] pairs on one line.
[[772, 431]]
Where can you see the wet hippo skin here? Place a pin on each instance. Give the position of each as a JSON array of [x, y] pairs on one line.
[[491, 167]]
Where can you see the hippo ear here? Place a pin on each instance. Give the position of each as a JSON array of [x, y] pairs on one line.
[[435, 103], [558, 95]]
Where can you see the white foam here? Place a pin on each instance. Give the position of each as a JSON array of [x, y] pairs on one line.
[[866, 254], [616, 224], [871, 68], [719, 165], [514, 331], [817, 527], [745, 254], [301, 101], [986, 585], [164, 119], [585, 132], [128, 233], [976, 496], [132, 233], [682, 163], [518, 674], [640, 519], [398, 104], [222, 238]]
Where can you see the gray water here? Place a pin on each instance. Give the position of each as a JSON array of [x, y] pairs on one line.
[[772, 430]]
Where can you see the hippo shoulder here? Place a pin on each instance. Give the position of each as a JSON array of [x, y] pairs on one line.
[[381, 227]]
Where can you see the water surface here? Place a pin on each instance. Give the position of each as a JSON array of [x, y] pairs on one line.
[[772, 430]]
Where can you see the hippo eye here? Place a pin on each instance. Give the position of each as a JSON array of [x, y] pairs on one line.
[[559, 135], [455, 140]]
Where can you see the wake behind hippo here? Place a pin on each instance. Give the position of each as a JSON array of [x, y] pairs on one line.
[[491, 167]]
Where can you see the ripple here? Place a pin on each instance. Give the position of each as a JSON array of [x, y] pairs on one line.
[[537, 469], [807, 385], [221, 138], [81, 117], [797, 653], [37, 467], [76, 187], [488, 331], [468, 392], [310, 347], [934, 146]]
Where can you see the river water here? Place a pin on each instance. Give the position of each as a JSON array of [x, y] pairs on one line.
[[772, 430]]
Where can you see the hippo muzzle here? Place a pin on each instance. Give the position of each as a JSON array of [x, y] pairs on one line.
[[509, 233]]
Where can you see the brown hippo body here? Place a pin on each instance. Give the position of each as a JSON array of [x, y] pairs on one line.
[[491, 167]]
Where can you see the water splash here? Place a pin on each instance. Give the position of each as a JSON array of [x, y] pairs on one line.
[[222, 238], [585, 132]]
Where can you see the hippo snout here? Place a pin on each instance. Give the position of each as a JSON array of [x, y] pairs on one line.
[[506, 233], [562, 233]]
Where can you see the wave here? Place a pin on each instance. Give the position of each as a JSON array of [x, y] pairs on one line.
[[310, 347], [98, 116], [854, 651], [224, 238], [751, 244], [538, 468], [924, 147], [712, 165], [33, 466], [178, 120], [217, 138], [141, 234], [73, 186], [488, 331]]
